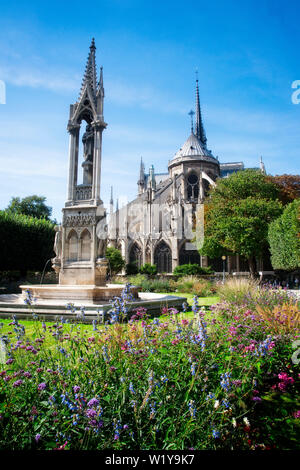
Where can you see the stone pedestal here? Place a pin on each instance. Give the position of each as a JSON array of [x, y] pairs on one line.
[[82, 273]]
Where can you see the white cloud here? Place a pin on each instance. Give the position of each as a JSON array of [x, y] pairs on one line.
[[38, 78]]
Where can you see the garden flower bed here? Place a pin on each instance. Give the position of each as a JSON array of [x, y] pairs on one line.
[[224, 379]]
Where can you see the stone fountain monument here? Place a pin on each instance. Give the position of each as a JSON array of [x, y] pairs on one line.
[[81, 239]]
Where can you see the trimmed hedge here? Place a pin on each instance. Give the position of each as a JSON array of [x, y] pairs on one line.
[[284, 238], [26, 243], [191, 270]]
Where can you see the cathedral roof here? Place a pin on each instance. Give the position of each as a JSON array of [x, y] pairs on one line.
[[193, 148]]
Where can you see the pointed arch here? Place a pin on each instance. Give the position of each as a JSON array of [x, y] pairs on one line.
[[163, 257], [85, 245], [188, 256], [136, 255], [73, 245]]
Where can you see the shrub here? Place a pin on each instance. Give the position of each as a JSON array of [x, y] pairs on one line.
[[149, 269], [26, 242], [190, 270], [116, 262], [131, 268], [284, 240], [196, 286], [137, 280]]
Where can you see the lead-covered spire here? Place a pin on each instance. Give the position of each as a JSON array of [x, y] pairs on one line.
[[199, 129]]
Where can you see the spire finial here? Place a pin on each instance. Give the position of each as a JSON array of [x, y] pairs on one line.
[[93, 46]]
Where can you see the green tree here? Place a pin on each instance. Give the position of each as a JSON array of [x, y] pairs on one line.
[[33, 206], [237, 215], [284, 238], [116, 262]]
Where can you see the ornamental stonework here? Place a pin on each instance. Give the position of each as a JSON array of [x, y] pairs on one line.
[[79, 220]]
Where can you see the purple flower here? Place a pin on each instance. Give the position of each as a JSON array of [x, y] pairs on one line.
[[93, 402], [256, 399], [17, 383], [91, 413], [76, 388], [42, 386], [37, 437], [9, 361]]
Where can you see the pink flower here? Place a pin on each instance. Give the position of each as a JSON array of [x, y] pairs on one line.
[[283, 376]]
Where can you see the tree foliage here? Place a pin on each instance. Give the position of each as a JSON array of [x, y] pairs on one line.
[[116, 262], [149, 269], [33, 206], [289, 187], [26, 242], [284, 238], [239, 210]]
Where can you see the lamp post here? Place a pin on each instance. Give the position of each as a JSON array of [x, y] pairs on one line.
[[224, 259]]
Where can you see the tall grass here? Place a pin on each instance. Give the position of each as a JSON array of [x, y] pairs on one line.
[[238, 290]]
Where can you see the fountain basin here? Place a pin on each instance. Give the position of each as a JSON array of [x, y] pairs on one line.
[[51, 309], [83, 293]]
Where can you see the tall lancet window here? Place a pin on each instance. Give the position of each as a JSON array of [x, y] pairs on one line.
[[85, 246], [192, 187], [73, 246], [163, 258]]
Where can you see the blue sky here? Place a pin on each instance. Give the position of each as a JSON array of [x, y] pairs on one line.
[[247, 56]]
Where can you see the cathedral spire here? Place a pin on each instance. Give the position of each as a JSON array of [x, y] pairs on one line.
[[199, 129]]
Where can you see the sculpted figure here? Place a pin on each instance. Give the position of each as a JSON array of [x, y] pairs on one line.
[[57, 241]]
